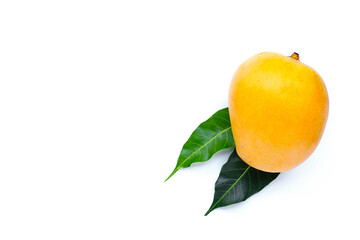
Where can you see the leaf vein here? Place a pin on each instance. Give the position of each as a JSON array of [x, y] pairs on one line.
[[228, 190], [227, 129]]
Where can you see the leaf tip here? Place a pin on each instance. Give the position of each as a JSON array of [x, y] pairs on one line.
[[171, 174], [209, 210]]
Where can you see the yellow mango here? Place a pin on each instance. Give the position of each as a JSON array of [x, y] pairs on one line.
[[278, 110]]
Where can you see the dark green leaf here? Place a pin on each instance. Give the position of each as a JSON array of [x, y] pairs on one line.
[[237, 182], [210, 137]]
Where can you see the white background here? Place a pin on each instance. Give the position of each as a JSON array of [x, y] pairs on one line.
[[98, 97]]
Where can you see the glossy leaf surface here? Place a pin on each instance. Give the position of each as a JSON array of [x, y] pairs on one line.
[[237, 182], [208, 138]]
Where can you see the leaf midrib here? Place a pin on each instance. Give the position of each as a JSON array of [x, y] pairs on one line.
[[182, 163], [213, 206], [203, 146]]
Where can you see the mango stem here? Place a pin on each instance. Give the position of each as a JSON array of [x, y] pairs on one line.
[[295, 56]]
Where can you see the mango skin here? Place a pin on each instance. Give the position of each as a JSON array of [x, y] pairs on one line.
[[278, 110]]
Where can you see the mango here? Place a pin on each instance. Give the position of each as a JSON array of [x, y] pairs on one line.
[[278, 110]]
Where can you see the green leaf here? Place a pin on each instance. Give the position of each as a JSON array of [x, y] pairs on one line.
[[237, 182], [210, 137]]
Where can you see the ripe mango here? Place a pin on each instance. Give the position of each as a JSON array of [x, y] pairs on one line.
[[278, 110]]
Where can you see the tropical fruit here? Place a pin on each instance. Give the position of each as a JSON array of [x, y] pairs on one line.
[[278, 110]]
